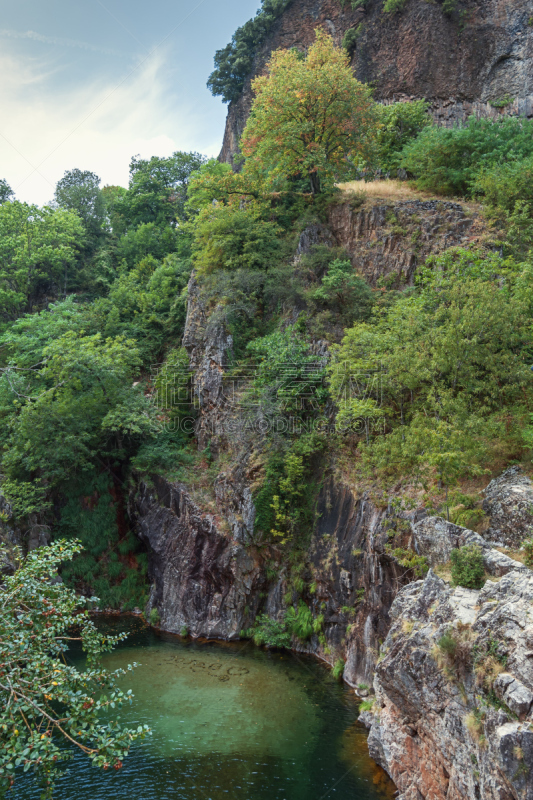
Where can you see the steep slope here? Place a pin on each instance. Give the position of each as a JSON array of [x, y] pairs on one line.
[[462, 62]]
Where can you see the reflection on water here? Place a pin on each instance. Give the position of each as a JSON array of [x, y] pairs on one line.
[[230, 721]]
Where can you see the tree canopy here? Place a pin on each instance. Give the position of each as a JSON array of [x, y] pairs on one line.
[[310, 117]]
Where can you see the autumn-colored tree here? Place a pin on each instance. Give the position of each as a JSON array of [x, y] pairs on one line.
[[310, 116]]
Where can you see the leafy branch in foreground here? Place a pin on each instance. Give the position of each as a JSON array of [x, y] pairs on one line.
[[49, 708]]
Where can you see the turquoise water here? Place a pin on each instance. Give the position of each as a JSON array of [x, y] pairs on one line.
[[229, 721]]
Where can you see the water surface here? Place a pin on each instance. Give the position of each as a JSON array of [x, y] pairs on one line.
[[229, 721]]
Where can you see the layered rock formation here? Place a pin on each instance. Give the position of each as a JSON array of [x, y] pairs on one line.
[[462, 62], [387, 241]]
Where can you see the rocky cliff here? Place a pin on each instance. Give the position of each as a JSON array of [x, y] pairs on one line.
[[442, 727], [481, 53], [454, 682]]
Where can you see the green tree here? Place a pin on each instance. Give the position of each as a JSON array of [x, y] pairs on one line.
[[157, 190], [39, 249], [6, 192], [310, 117], [448, 160], [48, 707], [400, 124], [234, 62], [80, 191]]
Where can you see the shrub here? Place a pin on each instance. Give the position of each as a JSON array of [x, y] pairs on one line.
[[269, 632], [367, 705], [155, 619], [467, 567], [504, 184], [349, 41], [449, 6], [401, 123], [338, 669], [300, 621], [392, 6], [448, 160]]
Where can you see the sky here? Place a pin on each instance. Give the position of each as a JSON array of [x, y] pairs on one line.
[[88, 84]]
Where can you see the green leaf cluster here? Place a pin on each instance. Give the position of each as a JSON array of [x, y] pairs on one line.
[[48, 707], [233, 63]]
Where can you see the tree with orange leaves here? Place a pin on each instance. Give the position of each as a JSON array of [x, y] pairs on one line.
[[310, 117]]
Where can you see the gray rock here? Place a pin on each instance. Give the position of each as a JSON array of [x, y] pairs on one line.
[[513, 692], [419, 734], [435, 538], [39, 536], [509, 504], [366, 718]]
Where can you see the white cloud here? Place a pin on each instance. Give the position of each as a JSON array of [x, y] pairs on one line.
[[58, 41], [98, 126]]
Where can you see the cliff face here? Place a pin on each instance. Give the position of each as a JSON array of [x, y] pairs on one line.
[[454, 682], [483, 52]]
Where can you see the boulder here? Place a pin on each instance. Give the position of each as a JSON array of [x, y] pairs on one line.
[[509, 504]]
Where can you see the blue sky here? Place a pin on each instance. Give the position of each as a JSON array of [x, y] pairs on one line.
[[90, 84]]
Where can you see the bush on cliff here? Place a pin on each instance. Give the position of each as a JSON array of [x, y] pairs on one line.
[[468, 569], [439, 380], [448, 160]]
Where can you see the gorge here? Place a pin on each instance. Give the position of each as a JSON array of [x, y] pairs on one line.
[[299, 414]]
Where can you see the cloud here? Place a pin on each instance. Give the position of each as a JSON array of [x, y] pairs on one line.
[[46, 129], [59, 41]]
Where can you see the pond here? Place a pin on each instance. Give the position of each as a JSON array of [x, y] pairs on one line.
[[229, 721]]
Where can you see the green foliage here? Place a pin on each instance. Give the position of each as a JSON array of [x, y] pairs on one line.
[[79, 191], [38, 251], [47, 706], [338, 669], [448, 160], [504, 184], [448, 644], [155, 619], [285, 502], [112, 563], [449, 357], [299, 621], [393, 6], [401, 123], [367, 705], [467, 567], [157, 191], [234, 62], [449, 6], [269, 632], [502, 102], [6, 192], [230, 238], [409, 560], [351, 37], [310, 118], [343, 290]]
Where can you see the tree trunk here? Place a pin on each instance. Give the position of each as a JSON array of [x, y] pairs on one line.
[[315, 182]]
